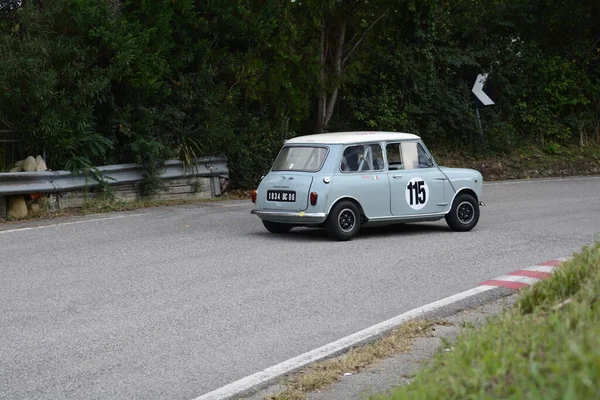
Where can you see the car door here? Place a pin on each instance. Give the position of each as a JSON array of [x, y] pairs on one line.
[[416, 183], [362, 176]]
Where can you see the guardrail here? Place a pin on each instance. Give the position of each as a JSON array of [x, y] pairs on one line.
[[14, 183]]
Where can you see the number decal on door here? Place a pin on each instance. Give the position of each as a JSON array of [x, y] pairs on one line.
[[417, 193]]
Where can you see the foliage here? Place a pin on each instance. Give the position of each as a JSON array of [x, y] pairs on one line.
[[105, 82]]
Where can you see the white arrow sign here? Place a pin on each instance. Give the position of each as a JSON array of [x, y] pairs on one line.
[[478, 90]]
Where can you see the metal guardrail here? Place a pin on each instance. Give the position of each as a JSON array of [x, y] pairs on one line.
[[13, 183]]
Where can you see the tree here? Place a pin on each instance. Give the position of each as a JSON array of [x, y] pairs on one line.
[[342, 26]]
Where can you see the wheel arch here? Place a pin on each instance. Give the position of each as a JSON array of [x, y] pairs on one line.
[[352, 200], [464, 190]]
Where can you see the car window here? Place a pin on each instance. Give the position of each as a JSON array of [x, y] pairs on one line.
[[415, 156], [394, 156], [300, 158], [367, 157]]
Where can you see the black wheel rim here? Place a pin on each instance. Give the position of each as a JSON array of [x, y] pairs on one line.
[[347, 220], [465, 212]]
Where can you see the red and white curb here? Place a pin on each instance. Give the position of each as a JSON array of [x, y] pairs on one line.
[[514, 280], [527, 276]]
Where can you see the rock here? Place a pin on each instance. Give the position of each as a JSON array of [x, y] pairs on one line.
[[42, 200], [35, 207], [40, 164], [29, 164], [16, 169], [17, 208], [19, 164]]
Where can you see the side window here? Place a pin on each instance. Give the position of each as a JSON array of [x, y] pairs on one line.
[[368, 157], [415, 157], [424, 160], [394, 156]]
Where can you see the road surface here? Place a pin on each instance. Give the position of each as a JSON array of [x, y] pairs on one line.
[[171, 303]]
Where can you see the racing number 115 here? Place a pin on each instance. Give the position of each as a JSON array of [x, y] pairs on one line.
[[417, 192]]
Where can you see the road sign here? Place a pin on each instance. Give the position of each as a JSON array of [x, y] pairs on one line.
[[478, 90]]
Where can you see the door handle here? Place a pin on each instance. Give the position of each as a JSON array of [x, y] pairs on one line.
[[441, 179], [396, 176]]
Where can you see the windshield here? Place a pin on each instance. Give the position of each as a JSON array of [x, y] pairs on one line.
[[297, 158]]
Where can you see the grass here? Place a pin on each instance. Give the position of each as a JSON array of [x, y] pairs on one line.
[[546, 347], [329, 371]]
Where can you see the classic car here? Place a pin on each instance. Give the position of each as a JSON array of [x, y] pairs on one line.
[[346, 180]]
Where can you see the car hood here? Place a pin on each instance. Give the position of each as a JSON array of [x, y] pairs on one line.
[[453, 173]]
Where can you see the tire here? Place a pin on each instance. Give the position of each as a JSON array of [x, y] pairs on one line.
[[464, 214], [344, 221], [276, 227]]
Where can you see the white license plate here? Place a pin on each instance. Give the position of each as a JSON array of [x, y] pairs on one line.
[[281, 195]]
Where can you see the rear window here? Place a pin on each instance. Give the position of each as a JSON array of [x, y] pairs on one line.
[[300, 158]]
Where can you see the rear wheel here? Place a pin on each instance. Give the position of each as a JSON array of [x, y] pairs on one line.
[[344, 220], [276, 227], [464, 214]]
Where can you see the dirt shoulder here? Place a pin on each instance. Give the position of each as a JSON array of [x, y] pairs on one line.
[[529, 163]]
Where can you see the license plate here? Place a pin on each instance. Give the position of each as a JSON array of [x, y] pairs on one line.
[[281, 195]]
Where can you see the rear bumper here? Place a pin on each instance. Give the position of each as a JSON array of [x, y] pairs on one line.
[[291, 217]]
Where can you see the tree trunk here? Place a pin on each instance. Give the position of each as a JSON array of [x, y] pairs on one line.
[[337, 71], [327, 101], [320, 123], [115, 6]]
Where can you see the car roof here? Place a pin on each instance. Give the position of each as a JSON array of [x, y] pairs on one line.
[[352, 137]]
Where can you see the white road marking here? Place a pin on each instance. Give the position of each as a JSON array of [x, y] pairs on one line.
[[235, 205], [66, 223], [541, 268], [268, 375], [516, 278], [540, 180]]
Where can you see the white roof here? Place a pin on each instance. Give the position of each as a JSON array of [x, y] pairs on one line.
[[352, 137]]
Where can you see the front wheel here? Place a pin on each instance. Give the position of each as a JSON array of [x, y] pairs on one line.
[[344, 220], [276, 227], [464, 214]]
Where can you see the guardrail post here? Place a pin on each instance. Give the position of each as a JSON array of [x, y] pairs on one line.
[[215, 183], [3, 207]]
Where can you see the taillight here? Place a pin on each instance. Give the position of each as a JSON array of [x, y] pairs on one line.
[[253, 196], [313, 198]]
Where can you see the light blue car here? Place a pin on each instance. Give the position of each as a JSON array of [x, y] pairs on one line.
[[346, 180]]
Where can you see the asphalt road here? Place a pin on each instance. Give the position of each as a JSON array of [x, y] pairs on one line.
[[171, 303]]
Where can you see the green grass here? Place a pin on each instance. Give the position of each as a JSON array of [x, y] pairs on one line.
[[546, 347]]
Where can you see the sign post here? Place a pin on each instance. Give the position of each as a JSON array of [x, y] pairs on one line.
[[480, 126], [482, 99]]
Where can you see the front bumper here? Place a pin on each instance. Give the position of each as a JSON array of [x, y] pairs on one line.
[[291, 217]]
